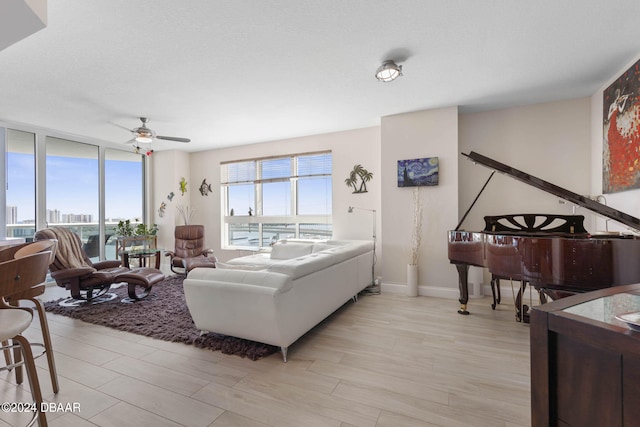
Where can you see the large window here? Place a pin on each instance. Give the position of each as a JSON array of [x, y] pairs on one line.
[[52, 181], [73, 187], [123, 193], [274, 198], [21, 184]]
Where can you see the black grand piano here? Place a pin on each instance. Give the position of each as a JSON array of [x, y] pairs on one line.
[[555, 254]]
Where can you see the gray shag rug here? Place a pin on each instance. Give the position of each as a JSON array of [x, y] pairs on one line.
[[162, 315]]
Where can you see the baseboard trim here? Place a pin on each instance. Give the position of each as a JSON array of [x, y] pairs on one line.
[[506, 292]]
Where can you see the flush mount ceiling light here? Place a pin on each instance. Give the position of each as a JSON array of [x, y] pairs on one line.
[[388, 71]]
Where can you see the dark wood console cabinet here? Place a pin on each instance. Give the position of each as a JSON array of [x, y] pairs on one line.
[[585, 364]]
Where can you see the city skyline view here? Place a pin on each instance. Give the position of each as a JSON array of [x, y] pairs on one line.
[[72, 188]]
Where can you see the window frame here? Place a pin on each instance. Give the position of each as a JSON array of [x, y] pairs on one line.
[[41, 136], [258, 218]]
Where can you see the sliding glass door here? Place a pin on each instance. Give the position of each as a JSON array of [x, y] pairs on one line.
[[21, 184], [73, 188], [124, 193]]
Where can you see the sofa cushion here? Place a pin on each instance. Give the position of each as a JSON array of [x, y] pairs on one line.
[[301, 266], [258, 259], [289, 250], [251, 267], [319, 247], [242, 277]]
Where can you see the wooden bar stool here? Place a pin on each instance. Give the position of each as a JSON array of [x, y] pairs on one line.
[[31, 294], [17, 275], [12, 323]]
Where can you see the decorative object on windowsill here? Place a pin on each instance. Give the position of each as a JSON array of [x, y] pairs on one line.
[[185, 213], [363, 175], [418, 172], [183, 185], [374, 287], [231, 212], [170, 196], [250, 211], [161, 209], [416, 239], [205, 188]]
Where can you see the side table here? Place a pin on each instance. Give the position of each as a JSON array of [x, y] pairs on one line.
[[142, 255]]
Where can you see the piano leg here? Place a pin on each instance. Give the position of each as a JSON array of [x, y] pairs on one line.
[[495, 291], [522, 310], [463, 283]]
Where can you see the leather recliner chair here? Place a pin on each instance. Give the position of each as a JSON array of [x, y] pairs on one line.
[[189, 250]]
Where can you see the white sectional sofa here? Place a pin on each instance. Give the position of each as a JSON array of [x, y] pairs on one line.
[[276, 298]]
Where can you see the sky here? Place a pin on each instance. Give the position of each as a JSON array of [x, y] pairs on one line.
[[72, 186]]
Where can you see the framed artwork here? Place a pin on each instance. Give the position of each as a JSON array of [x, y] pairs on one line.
[[418, 172], [621, 140]]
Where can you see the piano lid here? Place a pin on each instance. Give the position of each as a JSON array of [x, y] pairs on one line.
[[585, 202]]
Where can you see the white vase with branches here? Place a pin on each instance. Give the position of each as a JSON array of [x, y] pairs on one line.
[[416, 240], [185, 213]]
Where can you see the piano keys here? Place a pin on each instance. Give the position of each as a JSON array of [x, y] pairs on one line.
[[553, 253]]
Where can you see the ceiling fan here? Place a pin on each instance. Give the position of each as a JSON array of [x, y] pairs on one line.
[[144, 135]]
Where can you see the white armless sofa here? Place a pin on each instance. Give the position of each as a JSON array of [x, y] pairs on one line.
[[276, 298]]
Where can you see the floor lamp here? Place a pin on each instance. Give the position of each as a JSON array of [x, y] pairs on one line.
[[374, 287]]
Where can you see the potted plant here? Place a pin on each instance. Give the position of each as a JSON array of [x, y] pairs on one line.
[[130, 235]]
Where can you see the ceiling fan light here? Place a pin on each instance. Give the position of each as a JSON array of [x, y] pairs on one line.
[[144, 135], [388, 71], [144, 139]]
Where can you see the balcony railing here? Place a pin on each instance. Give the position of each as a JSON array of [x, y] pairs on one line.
[[88, 232]]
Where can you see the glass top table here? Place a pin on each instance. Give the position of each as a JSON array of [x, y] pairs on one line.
[[144, 257]]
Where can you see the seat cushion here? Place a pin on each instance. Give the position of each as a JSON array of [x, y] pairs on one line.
[[288, 250], [143, 276], [198, 262], [13, 322]]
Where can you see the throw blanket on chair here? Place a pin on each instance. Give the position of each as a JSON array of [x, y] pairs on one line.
[[69, 253]]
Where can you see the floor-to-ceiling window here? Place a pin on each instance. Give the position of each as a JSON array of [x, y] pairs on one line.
[[124, 192], [53, 181], [20, 184], [73, 187]]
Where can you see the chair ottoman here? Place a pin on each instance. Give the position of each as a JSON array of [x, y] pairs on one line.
[[143, 277]]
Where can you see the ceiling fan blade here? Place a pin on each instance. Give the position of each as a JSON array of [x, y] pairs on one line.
[[120, 126], [172, 138]]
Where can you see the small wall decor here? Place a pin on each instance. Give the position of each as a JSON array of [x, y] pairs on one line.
[[418, 172], [358, 173], [621, 141], [170, 196], [205, 188], [161, 209], [183, 185]]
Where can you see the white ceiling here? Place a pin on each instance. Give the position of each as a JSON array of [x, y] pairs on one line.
[[235, 72]]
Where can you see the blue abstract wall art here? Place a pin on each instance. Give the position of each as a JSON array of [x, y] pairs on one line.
[[418, 172]]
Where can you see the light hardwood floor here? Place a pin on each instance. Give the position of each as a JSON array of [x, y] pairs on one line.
[[386, 361]]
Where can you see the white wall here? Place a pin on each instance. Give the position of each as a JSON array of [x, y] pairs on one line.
[[550, 141], [167, 167], [625, 201], [431, 133], [360, 146]]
